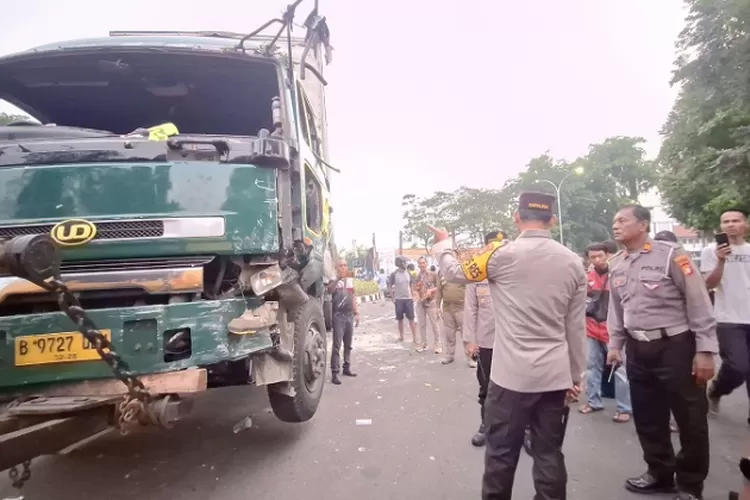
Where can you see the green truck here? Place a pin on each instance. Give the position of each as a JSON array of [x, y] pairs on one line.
[[165, 229]]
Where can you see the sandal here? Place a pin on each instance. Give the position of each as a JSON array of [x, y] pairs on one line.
[[621, 418], [586, 409]]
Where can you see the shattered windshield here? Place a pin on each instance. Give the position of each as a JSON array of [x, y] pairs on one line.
[[122, 91]]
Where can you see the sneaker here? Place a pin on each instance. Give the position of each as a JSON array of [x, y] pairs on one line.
[[447, 361], [479, 438], [472, 363], [438, 350]]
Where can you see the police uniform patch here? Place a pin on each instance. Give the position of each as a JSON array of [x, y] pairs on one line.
[[685, 266], [619, 281], [475, 268]]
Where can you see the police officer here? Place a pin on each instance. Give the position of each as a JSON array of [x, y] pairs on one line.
[[538, 290], [659, 309], [479, 333]]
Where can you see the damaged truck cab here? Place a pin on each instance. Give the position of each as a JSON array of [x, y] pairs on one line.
[[182, 178]]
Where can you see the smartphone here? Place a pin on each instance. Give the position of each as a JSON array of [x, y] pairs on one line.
[[721, 239]]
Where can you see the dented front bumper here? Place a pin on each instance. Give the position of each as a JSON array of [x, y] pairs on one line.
[[139, 334]]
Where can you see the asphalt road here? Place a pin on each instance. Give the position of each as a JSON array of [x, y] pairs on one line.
[[417, 446]]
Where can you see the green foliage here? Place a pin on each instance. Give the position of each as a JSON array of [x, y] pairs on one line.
[[614, 172], [468, 213], [365, 288], [704, 162]]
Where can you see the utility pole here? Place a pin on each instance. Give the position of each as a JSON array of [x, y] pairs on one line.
[[401, 243]]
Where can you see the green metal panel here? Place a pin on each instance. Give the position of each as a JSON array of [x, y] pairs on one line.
[[137, 334], [245, 195]]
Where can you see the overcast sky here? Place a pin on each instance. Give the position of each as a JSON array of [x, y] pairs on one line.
[[423, 97]]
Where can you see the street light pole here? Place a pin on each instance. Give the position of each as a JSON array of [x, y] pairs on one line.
[[577, 171]]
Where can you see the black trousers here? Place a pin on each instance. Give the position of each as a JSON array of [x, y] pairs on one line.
[[507, 414], [661, 381], [734, 349], [484, 367]]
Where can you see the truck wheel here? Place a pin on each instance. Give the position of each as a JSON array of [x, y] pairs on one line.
[[308, 366]]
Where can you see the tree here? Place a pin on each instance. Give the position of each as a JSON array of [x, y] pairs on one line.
[[704, 162], [477, 211], [614, 172], [623, 161], [467, 213], [417, 216]]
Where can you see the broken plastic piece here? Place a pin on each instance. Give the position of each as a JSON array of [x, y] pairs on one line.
[[242, 425]]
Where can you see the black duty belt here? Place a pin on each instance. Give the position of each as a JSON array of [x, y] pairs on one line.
[[658, 333]]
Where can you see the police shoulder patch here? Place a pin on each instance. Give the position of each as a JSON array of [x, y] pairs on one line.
[[683, 262], [475, 268]]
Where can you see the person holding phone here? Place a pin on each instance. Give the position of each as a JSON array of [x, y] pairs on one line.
[[725, 266]]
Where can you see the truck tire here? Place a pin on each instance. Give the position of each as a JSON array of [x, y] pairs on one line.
[[308, 365]]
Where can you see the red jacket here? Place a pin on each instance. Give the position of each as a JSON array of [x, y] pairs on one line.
[[598, 285]]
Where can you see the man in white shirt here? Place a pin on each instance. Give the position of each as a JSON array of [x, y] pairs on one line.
[[726, 269]]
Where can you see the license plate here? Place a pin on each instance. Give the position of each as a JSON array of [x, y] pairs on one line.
[[67, 347]]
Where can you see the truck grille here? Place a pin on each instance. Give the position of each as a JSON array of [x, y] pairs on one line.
[[109, 265], [110, 230]]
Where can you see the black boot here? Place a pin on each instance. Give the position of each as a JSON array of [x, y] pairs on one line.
[[348, 372], [335, 379], [479, 438]]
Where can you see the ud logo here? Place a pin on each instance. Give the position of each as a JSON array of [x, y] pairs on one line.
[[73, 232]]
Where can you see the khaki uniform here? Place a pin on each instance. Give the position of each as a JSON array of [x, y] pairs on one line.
[[538, 290], [660, 310], [427, 310], [451, 297], [479, 329], [538, 293]]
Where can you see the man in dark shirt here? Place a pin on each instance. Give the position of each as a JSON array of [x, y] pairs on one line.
[[345, 318]]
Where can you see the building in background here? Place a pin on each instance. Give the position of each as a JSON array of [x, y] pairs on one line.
[[691, 240]]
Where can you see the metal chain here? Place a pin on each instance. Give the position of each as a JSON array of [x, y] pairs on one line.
[[18, 479], [133, 404]]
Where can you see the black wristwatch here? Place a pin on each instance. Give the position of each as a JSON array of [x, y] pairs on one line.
[[745, 467]]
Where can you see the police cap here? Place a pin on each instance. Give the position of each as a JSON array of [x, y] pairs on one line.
[[498, 236], [541, 203], [665, 236]]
